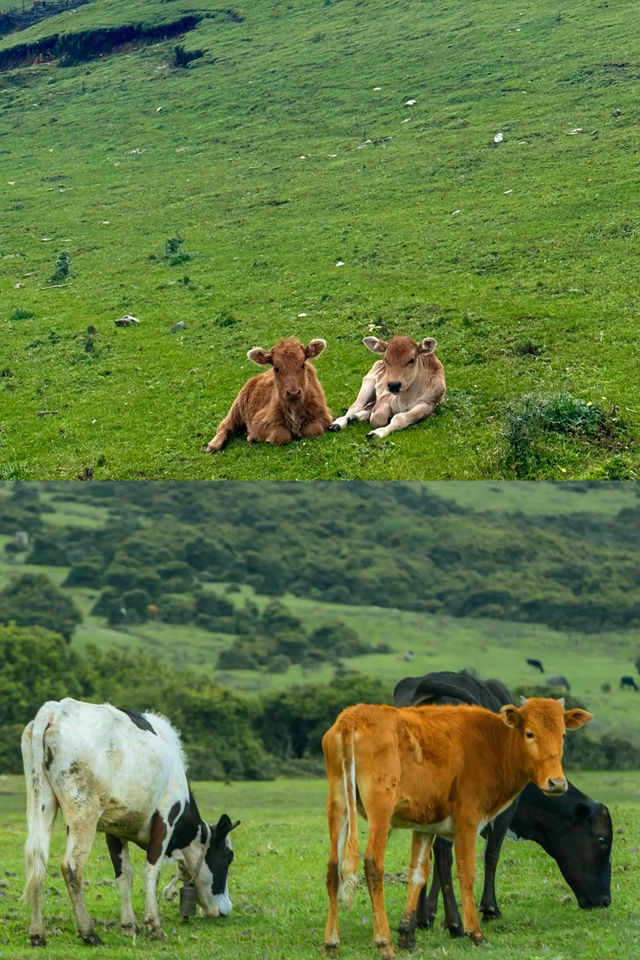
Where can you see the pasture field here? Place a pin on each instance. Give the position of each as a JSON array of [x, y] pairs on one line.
[[324, 170], [277, 888]]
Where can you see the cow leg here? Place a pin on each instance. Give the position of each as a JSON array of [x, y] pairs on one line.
[[279, 436], [361, 406], [465, 847], [374, 873], [402, 420], [418, 874], [337, 816], [158, 841], [497, 832], [119, 853], [232, 423], [313, 429], [428, 904], [380, 415], [80, 838], [443, 856]]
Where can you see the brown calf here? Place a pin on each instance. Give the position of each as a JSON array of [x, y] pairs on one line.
[[443, 770], [286, 401], [401, 389]]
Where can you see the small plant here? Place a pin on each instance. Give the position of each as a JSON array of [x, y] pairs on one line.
[[19, 314], [182, 57], [531, 427], [173, 252], [63, 265]]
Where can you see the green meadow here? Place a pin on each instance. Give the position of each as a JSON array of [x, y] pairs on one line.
[[319, 169], [276, 883]]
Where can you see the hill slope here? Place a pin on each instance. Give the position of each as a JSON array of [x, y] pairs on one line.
[[225, 192]]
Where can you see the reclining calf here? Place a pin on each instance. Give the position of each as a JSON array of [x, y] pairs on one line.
[[402, 388]]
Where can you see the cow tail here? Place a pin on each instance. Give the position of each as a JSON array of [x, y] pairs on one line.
[[349, 856], [42, 807]]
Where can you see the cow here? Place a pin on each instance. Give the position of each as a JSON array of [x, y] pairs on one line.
[[404, 387], [281, 404], [121, 773], [536, 664], [573, 829], [443, 771], [558, 680], [628, 682]]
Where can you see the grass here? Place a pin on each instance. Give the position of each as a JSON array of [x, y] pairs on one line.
[[274, 156], [277, 887]]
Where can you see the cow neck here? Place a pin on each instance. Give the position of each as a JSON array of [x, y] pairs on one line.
[[507, 747], [187, 826]]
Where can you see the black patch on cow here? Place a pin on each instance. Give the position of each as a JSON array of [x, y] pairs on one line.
[[139, 720], [186, 826], [219, 856], [48, 760], [173, 813], [157, 835]]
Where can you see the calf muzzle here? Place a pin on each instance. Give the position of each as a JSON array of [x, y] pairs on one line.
[[554, 786]]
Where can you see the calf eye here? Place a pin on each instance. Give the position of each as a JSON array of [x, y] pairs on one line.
[[411, 361], [529, 735], [276, 370]]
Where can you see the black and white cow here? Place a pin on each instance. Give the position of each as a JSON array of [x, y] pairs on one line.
[[123, 774], [573, 829]]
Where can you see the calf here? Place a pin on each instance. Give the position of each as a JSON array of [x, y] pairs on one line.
[[281, 404], [573, 829], [404, 387], [123, 774], [442, 771]]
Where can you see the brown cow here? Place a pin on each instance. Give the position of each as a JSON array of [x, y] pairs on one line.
[[439, 770], [404, 387], [282, 403]]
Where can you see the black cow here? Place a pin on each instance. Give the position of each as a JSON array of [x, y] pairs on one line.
[[628, 682], [535, 663], [573, 829], [558, 680]]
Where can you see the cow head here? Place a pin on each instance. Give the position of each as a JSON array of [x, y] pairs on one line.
[[583, 852], [400, 359], [289, 361], [211, 879], [541, 724]]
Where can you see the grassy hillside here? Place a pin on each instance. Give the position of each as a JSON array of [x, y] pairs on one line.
[[225, 193]]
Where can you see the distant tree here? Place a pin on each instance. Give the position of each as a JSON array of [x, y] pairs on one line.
[[85, 573], [48, 552], [33, 599]]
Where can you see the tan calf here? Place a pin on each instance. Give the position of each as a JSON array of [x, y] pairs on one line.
[[284, 403], [404, 387], [441, 770]]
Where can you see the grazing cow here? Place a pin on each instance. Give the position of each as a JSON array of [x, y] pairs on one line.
[[535, 663], [404, 387], [573, 829], [121, 773], [446, 770], [628, 682], [558, 681], [281, 404]]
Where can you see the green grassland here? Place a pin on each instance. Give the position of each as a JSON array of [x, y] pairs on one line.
[[277, 887], [274, 157]]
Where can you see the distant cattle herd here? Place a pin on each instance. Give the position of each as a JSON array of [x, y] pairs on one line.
[[453, 756], [287, 401]]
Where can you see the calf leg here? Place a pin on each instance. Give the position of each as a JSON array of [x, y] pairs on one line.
[[278, 435], [428, 904], [337, 816], [361, 406], [119, 853], [418, 874], [232, 423], [465, 847], [313, 429], [79, 842], [380, 415], [374, 873], [402, 420]]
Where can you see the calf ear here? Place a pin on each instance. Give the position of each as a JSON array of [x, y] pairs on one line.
[[375, 345], [428, 345], [314, 348], [260, 356], [510, 715], [576, 718]]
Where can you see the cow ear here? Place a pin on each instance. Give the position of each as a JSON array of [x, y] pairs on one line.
[[375, 345], [428, 345], [576, 718], [581, 812], [314, 348], [224, 826], [510, 715], [260, 356]]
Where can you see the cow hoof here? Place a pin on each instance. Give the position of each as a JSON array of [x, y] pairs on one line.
[[92, 939], [386, 952], [129, 929], [331, 949], [456, 931], [491, 913], [37, 940], [478, 938], [334, 427], [406, 941], [375, 435], [426, 924], [156, 933]]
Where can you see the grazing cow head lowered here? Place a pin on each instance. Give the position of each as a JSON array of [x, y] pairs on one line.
[[284, 403], [404, 387], [445, 770], [123, 774]]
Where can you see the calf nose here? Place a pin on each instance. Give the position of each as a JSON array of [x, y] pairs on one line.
[[294, 393], [556, 785], [394, 386]]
